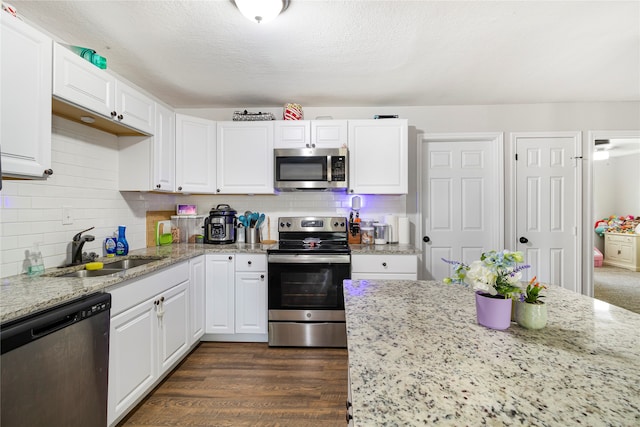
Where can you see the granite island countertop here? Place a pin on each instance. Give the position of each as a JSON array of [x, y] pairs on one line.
[[418, 357]]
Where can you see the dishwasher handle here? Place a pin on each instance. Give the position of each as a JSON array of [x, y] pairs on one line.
[[54, 326], [21, 331]]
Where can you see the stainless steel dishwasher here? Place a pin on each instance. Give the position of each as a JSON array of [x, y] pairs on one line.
[[54, 365]]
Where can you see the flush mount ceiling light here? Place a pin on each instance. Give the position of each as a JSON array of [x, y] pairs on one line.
[[261, 10]]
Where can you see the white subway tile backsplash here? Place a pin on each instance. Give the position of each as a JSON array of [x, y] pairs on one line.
[[85, 164]]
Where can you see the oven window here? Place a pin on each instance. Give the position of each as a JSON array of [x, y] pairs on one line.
[[307, 286], [301, 168]]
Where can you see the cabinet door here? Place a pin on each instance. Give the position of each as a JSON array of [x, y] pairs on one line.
[[172, 314], [197, 280], [133, 108], [245, 158], [220, 294], [196, 155], [79, 82], [292, 134], [251, 303], [132, 357], [164, 150], [25, 99], [378, 156], [329, 133]]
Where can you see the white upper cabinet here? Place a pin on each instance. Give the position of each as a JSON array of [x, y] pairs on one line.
[[147, 163], [245, 158], [25, 99], [164, 150], [329, 133], [82, 83], [378, 156], [310, 134], [196, 155], [77, 81], [133, 108], [292, 134]]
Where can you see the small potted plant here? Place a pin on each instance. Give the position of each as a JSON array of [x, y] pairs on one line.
[[530, 310], [494, 277]]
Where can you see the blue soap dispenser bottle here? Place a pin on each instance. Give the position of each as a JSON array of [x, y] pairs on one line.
[[122, 246]]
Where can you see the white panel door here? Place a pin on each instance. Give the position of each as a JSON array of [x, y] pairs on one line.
[[462, 199], [547, 206]]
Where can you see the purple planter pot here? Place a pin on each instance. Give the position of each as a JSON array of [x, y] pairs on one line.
[[494, 313]]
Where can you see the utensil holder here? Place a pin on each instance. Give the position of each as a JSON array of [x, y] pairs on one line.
[[251, 235]]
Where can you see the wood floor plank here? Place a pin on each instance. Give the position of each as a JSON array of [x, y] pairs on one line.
[[250, 384]]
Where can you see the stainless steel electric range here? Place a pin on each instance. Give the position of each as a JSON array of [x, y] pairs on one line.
[[306, 270]]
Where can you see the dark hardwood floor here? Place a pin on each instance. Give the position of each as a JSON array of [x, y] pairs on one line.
[[249, 384]]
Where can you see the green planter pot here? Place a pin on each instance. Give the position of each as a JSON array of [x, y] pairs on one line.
[[531, 316]]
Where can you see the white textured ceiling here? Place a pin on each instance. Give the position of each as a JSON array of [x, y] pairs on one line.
[[360, 52]]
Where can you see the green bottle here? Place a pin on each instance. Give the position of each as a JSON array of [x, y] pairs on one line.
[[90, 55]]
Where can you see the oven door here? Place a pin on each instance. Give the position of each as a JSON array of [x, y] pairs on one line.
[[306, 304], [307, 281]]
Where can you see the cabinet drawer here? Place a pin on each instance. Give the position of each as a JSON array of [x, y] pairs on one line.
[[619, 238], [251, 262], [384, 264], [127, 294]]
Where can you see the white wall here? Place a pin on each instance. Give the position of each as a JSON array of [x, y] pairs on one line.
[[85, 175]]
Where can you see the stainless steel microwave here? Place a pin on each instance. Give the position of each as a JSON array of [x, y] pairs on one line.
[[311, 169]]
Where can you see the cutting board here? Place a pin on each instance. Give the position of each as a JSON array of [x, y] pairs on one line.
[[152, 218]]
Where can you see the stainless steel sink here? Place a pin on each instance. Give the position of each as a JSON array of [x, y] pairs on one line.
[[110, 268], [93, 273], [123, 264]]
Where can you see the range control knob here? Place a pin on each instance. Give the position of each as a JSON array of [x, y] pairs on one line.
[[335, 224], [282, 224], [288, 224], [342, 224]]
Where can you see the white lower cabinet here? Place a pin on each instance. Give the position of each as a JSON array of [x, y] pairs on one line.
[[219, 294], [251, 294], [149, 335], [236, 298], [383, 267]]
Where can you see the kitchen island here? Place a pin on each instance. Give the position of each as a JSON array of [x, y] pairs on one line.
[[417, 356]]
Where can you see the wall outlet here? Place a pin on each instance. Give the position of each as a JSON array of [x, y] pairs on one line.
[[66, 215]]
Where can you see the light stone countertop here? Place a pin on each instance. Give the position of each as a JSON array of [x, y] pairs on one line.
[[389, 249], [418, 357], [23, 295]]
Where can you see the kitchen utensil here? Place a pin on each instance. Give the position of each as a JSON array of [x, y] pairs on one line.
[[254, 217], [244, 221], [162, 227], [260, 220], [269, 241]]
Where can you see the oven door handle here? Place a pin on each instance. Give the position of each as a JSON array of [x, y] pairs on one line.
[[309, 259]]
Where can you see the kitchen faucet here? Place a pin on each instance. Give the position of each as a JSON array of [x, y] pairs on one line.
[[76, 245]]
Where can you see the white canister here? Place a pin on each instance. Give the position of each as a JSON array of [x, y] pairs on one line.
[[381, 233]]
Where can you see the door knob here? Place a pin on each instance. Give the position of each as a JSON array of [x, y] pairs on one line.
[[426, 239], [524, 240]]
